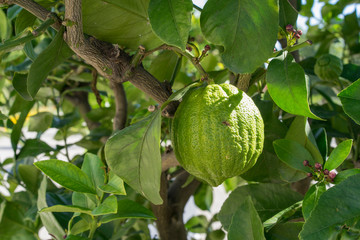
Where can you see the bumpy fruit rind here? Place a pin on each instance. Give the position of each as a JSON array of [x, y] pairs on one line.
[[217, 133], [328, 67]]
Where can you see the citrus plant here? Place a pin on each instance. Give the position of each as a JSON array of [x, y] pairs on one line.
[[119, 114]]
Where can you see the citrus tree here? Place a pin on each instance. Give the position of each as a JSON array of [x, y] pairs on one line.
[[168, 100]]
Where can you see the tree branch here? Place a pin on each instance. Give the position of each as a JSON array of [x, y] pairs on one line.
[[120, 106], [34, 8]]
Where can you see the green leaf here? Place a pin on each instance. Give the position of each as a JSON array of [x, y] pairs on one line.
[[336, 206], [56, 53], [283, 216], [293, 154], [350, 99], [338, 155], [341, 176], [84, 200], [287, 86], [311, 199], [127, 22], [171, 20], [106, 207], [351, 72], [67, 175], [74, 237], [197, 224], [40, 122], [246, 223], [5, 27], [285, 231], [204, 197], [34, 147], [47, 218], [128, 209], [23, 20], [134, 155], [176, 96], [20, 84], [115, 185], [66, 208], [31, 176], [25, 108], [162, 67], [287, 14], [268, 199], [300, 132], [321, 141], [239, 26], [3, 116], [95, 169]]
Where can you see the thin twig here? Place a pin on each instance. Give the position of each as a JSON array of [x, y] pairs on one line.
[[93, 87]]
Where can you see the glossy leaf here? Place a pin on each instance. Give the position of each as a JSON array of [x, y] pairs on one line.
[[285, 231], [25, 108], [23, 20], [283, 216], [311, 199], [350, 99], [341, 176], [84, 200], [268, 200], [300, 132], [176, 96], [128, 209], [95, 169], [293, 154], [40, 122], [108, 206], [67, 175], [56, 53], [197, 224], [134, 155], [5, 27], [127, 22], [115, 185], [322, 143], [75, 237], [171, 20], [336, 206], [246, 223], [204, 197], [338, 155], [31, 176], [66, 208], [287, 14], [34, 147], [287, 86], [20, 84], [162, 67], [47, 218], [235, 25]]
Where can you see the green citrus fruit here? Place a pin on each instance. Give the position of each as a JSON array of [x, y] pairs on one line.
[[328, 67], [217, 133]]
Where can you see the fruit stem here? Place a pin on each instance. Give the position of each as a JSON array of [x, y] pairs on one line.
[[293, 48]]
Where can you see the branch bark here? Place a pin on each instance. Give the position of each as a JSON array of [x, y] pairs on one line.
[[120, 106], [170, 214]]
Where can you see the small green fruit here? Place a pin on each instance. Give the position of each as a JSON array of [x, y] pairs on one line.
[[217, 133], [328, 67]]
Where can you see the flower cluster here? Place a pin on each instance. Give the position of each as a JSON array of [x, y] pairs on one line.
[[318, 173], [292, 34]]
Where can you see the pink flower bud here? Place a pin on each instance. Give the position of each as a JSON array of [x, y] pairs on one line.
[[326, 172], [289, 28], [306, 163], [332, 175], [318, 166], [309, 174]]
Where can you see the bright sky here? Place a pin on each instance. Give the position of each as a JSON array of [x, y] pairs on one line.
[[316, 12]]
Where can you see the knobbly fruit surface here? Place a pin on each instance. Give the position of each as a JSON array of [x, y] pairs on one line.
[[217, 133], [328, 67]]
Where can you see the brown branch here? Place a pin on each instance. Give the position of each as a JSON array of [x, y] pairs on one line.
[[93, 87], [168, 160], [120, 106], [170, 214], [80, 101], [34, 8]]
